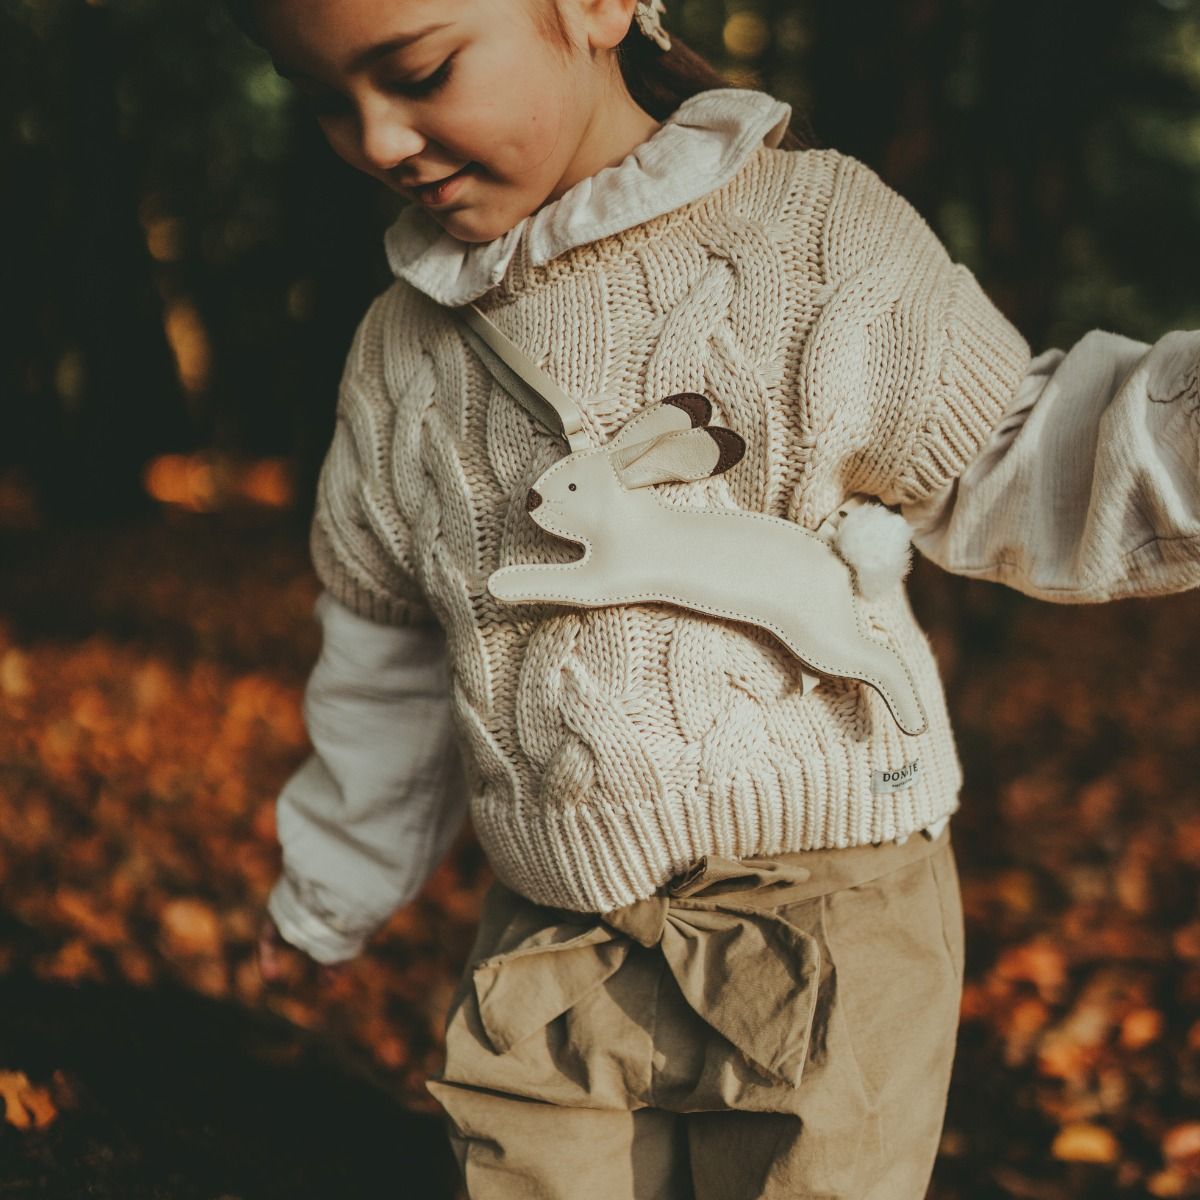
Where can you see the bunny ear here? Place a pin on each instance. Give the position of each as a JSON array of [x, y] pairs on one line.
[[679, 457], [733, 446], [681, 411], [698, 407]]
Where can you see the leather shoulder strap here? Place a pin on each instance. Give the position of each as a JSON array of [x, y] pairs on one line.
[[548, 404], [522, 378]]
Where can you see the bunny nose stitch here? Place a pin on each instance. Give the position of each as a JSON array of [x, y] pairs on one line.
[[532, 500]]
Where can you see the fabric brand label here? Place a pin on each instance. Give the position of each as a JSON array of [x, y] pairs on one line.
[[892, 781]]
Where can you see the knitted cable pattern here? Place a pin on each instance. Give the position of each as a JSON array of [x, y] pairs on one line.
[[609, 748]]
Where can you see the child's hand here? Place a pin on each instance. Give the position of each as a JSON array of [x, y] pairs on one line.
[[278, 959]]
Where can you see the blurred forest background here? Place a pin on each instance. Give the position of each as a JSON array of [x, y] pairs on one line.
[[185, 262]]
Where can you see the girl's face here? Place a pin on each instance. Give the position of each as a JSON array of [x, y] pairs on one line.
[[474, 93]]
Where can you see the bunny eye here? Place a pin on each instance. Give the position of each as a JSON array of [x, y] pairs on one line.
[[570, 487]]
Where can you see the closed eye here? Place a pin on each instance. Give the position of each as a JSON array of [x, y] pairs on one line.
[[431, 83], [330, 103]]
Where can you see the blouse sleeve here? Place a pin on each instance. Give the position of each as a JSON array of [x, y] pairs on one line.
[[371, 813], [1089, 487]]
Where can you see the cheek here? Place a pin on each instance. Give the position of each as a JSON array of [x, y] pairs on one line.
[[515, 131]]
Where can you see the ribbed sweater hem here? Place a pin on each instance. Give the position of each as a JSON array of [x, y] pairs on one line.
[[595, 857]]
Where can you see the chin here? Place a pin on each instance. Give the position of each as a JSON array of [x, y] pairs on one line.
[[472, 235], [471, 225]]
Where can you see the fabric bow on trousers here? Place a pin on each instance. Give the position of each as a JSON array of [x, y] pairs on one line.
[[764, 1027]]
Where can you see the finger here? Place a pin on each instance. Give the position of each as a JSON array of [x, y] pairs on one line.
[[269, 931], [268, 969], [269, 961]]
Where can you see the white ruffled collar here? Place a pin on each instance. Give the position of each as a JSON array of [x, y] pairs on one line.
[[699, 147]]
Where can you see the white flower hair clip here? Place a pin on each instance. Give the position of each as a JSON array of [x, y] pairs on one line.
[[648, 15]]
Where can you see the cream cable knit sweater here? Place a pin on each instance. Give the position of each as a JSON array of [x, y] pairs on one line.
[[703, 694], [607, 749]]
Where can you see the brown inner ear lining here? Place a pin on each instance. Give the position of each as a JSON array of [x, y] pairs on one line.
[[730, 446], [697, 407]]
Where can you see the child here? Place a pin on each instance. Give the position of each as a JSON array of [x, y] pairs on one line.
[[715, 962]]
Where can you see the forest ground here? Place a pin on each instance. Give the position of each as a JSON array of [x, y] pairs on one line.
[[150, 689]]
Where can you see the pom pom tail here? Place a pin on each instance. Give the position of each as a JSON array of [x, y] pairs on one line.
[[877, 543]]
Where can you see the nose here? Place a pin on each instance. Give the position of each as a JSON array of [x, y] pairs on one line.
[[387, 138], [532, 500]]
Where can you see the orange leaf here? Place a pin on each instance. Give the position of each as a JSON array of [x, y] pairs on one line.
[[25, 1104], [1083, 1142]]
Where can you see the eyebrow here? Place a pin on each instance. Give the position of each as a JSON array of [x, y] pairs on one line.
[[364, 58]]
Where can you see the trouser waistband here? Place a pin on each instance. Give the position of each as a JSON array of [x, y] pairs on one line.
[[771, 880]]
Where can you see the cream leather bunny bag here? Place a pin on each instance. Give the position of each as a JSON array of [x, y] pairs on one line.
[[744, 566]]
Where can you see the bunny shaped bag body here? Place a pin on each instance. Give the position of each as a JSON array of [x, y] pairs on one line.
[[729, 563]]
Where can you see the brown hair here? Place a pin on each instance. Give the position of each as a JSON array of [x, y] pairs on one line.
[[241, 12], [661, 80], [658, 80]]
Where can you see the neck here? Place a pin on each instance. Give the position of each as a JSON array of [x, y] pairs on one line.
[[614, 129]]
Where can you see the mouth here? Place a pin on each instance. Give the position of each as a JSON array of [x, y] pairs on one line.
[[442, 191]]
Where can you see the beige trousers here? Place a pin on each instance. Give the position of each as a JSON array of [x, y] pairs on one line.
[[762, 1028]]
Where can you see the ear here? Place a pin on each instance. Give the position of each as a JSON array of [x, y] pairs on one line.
[[685, 410], [606, 22], [683, 456]]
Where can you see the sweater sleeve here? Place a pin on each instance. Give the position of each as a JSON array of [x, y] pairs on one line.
[[371, 813], [359, 541], [909, 339], [1089, 489]]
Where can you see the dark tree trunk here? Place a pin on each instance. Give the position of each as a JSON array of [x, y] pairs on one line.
[[96, 285]]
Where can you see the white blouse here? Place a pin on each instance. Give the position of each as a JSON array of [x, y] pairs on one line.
[[373, 810]]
